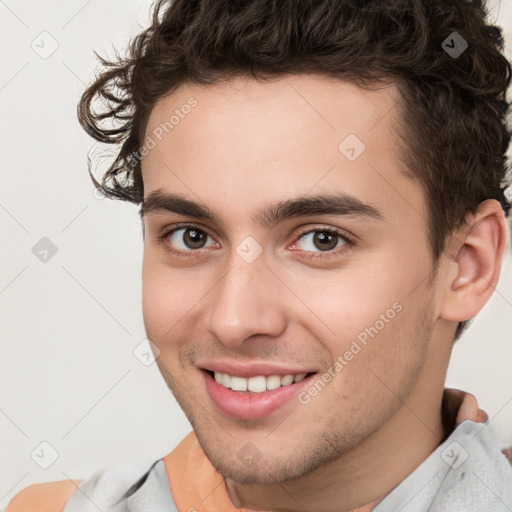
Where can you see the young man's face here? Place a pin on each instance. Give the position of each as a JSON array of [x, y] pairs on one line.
[[290, 297]]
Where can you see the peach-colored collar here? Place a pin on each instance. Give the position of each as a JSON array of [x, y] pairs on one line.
[[197, 486]]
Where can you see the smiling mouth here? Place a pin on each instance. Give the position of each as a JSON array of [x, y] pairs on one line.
[[257, 383]]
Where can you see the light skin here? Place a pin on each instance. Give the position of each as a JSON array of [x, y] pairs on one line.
[[247, 145]]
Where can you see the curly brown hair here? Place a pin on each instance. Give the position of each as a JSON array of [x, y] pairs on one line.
[[454, 107]]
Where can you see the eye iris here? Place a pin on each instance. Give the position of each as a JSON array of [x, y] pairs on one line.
[[194, 238], [325, 236]]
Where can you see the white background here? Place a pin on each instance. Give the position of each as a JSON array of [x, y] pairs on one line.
[[69, 326]]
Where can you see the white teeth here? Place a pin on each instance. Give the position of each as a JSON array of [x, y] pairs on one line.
[[258, 384], [238, 384], [286, 379], [273, 382]]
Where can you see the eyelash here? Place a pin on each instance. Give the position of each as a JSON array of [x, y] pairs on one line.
[[310, 256]]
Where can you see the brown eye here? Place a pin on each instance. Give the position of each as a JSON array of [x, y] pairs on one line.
[[194, 238], [187, 238], [323, 240]]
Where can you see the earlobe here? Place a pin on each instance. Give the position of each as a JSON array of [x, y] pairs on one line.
[[478, 263]]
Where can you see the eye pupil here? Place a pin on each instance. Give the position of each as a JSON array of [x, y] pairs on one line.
[[325, 236], [194, 238]]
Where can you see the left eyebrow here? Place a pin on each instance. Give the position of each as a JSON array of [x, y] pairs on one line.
[[339, 204]]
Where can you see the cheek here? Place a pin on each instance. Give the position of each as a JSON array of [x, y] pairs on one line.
[[377, 367], [171, 299], [345, 303], [160, 299], [372, 316]]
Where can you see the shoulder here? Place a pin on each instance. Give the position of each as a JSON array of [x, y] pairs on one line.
[[43, 497], [105, 487]]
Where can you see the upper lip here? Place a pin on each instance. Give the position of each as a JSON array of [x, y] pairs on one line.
[[248, 370]]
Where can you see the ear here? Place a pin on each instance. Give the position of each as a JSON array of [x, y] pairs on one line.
[[475, 263]]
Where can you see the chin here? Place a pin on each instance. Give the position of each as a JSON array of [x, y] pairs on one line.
[[263, 473], [274, 466]]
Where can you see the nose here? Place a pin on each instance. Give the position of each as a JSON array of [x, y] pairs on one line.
[[246, 302]]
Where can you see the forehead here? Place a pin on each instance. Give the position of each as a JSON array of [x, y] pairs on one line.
[[250, 141]]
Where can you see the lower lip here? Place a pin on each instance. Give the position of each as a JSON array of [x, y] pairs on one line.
[[247, 405]]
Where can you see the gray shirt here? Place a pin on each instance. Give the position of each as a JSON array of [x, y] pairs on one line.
[[466, 473]]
